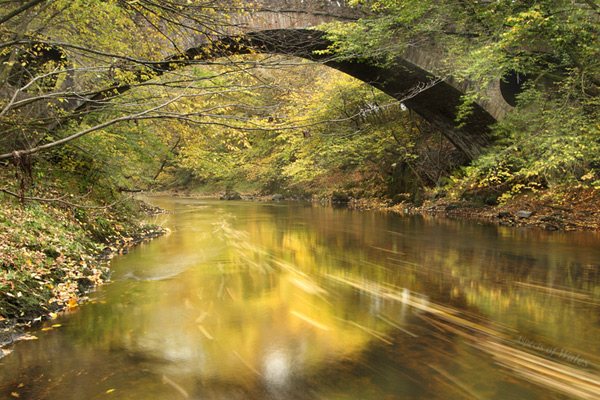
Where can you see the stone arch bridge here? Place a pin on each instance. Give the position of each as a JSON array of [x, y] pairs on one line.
[[288, 27]]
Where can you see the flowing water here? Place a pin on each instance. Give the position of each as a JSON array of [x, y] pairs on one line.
[[266, 300]]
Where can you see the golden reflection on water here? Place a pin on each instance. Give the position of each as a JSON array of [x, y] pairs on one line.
[[275, 301]]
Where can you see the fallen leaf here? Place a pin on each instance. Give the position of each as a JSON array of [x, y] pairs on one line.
[[201, 317], [205, 332], [72, 302], [27, 337]]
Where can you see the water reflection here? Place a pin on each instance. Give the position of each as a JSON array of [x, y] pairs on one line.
[[275, 301]]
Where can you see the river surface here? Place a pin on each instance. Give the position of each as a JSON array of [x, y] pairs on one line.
[[251, 300]]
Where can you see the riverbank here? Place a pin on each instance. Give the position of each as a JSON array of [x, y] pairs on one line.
[[574, 210], [567, 210], [51, 256]]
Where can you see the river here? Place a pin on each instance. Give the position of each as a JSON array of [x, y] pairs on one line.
[[262, 300]]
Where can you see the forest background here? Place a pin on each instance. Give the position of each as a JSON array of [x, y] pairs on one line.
[[91, 112]]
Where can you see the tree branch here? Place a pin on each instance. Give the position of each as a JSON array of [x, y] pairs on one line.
[[166, 159], [19, 10], [592, 4], [69, 138]]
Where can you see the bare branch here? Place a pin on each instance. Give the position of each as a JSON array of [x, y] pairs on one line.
[[74, 136], [24, 88], [19, 10], [592, 4]]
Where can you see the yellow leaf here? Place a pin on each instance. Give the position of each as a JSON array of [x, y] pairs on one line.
[[205, 332], [27, 337], [72, 302], [310, 321]]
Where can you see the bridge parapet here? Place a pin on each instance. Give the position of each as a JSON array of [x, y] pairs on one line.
[[338, 8], [291, 14]]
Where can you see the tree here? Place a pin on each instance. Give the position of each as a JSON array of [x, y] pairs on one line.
[[338, 133], [552, 46], [61, 59]]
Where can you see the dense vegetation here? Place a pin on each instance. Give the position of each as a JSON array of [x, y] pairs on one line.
[[87, 115], [335, 135], [551, 138]]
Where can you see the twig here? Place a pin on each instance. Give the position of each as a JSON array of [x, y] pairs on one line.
[[137, 116], [19, 10]]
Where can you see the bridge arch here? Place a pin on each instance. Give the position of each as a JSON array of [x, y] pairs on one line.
[[290, 27], [404, 80]]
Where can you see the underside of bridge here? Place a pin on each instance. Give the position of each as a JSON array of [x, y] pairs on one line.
[[435, 100], [437, 103]]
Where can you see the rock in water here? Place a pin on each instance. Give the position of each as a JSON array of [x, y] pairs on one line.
[[524, 214], [340, 198], [231, 196]]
